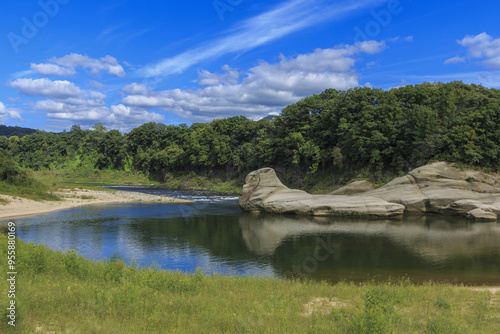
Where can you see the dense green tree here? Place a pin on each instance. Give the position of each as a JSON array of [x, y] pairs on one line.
[[361, 128]]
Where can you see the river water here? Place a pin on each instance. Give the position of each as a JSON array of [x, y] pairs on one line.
[[215, 236]]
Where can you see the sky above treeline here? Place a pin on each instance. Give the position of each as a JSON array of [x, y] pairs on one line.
[[128, 62]]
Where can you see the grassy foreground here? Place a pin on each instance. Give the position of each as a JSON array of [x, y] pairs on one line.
[[65, 293]]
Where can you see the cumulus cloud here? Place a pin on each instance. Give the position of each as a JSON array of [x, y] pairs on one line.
[[46, 88], [483, 47], [52, 69], [65, 102], [264, 89], [205, 78], [67, 65], [97, 95], [6, 113], [91, 111], [135, 89]]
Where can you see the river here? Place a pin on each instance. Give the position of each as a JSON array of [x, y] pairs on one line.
[[215, 236]]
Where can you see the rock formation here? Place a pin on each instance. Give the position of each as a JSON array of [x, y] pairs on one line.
[[264, 192], [353, 188], [435, 188]]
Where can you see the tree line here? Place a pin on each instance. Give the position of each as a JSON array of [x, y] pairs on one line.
[[9, 131], [361, 128]]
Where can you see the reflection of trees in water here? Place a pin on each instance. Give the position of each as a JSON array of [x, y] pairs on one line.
[[219, 236], [428, 246], [434, 245]]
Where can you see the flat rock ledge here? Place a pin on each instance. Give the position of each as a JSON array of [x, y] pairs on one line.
[[264, 192], [437, 188]]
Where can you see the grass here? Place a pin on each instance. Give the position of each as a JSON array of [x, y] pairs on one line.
[[194, 181], [88, 179], [35, 190], [67, 293]]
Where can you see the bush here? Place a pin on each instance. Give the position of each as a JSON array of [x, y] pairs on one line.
[[11, 173]]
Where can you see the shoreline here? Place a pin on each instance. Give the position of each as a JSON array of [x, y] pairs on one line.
[[73, 198]]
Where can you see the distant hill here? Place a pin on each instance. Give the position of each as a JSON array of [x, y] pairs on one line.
[[270, 117], [9, 131]]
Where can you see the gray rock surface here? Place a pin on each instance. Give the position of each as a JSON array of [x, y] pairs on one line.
[[435, 188], [264, 192], [444, 189], [353, 188]]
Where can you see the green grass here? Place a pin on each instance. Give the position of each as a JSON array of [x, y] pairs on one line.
[[35, 190], [194, 181], [66, 293], [90, 177]]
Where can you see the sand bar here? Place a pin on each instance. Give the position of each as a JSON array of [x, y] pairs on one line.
[[72, 198]]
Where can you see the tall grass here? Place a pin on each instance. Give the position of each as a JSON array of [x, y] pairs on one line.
[[67, 293], [91, 176], [184, 181], [33, 189]]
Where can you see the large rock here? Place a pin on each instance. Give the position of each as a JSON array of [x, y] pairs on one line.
[[264, 192], [444, 189], [435, 188], [353, 188]]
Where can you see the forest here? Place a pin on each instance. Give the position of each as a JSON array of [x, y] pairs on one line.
[[361, 129], [9, 131]]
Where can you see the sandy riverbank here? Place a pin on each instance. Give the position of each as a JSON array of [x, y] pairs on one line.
[[17, 207], [492, 289]]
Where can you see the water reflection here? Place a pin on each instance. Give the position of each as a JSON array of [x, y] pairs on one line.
[[422, 248], [218, 237]]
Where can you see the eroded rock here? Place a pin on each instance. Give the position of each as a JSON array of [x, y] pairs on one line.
[[264, 192], [353, 188], [435, 188]]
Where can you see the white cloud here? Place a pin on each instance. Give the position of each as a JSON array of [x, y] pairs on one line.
[[206, 78], [107, 64], [46, 88], [118, 117], [481, 46], [3, 112], [404, 39], [97, 95], [96, 84], [66, 103], [52, 69], [88, 112], [455, 60], [66, 65], [6, 113], [287, 18], [135, 89], [265, 88]]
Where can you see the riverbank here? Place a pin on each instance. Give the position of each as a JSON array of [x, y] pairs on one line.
[[76, 197], [180, 180], [63, 292]]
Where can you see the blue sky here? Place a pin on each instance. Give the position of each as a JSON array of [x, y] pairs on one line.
[[125, 63]]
